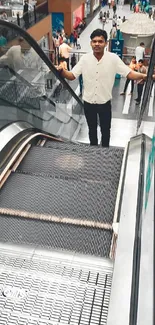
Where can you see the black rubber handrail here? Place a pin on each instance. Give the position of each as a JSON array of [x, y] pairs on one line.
[[148, 86], [42, 55], [137, 241]]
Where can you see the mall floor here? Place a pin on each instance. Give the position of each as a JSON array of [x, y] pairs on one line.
[[124, 110]]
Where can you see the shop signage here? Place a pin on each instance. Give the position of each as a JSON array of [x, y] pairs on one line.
[[78, 15], [57, 21], [117, 48]]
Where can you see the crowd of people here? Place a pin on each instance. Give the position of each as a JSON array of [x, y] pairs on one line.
[[116, 20], [142, 6], [63, 45]]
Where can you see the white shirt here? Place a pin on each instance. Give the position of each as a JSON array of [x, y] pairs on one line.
[[64, 50], [139, 53], [99, 76], [119, 21]]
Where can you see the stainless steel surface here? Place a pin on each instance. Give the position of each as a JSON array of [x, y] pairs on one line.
[[39, 287], [11, 131], [146, 303], [122, 277]]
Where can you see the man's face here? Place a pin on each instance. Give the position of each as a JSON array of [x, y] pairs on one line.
[[98, 44], [140, 64]]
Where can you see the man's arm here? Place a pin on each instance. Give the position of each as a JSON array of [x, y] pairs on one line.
[[133, 75], [66, 74]]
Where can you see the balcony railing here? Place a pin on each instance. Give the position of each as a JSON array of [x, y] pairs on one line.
[[30, 18]]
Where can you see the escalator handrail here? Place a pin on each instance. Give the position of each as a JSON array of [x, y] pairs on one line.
[[42, 55], [148, 86]]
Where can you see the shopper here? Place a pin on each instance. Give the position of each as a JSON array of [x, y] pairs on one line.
[[140, 83], [64, 50], [75, 35], [73, 60], [132, 66], [26, 14], [98, 69], [78, 44], [114, 8], [140, 52]]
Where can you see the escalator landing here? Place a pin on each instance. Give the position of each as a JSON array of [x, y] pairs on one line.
[[40, 287]]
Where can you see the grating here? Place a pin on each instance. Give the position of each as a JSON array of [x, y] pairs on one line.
[[38, 291]]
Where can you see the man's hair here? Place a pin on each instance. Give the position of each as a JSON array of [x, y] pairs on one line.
[[141, 61], [99, 32], [20, 39], [142, 44]]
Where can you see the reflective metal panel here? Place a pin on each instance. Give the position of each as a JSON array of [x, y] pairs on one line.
[[119, 308], [11, 131]]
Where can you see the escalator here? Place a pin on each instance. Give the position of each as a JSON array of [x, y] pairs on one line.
[[62, 259], [31, 88]]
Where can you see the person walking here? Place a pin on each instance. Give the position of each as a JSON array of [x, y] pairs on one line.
[[26, 14], [64, 50], [140, 83], [73, 60], [98, 69], [132, 66], [140, 51]]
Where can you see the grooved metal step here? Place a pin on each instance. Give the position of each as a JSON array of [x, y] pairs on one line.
[[97, 166], [53, 235], [64, 198], [53, 290]]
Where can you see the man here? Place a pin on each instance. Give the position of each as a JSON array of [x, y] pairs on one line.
[[26, 14], [140, 83], [64, 50], [140, 51], [132, 66], [98, 69]]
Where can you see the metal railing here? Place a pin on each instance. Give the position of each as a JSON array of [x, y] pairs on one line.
[[30, 18]]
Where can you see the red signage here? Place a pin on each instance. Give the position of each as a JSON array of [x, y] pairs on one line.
[[78, 15]]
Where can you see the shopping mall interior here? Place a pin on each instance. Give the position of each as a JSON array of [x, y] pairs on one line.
[[77, 234]]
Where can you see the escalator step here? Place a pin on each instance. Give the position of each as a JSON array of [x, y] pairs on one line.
[[64, 198], [76, 146], [98, 166], [58, 236]]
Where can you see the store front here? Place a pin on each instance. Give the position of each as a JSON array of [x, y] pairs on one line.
[[87, 8], [96, 4], [78, 16]]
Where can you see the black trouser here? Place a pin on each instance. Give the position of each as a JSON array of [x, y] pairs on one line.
[[139, 90], [67, 60], [104, 112], [126, 85]]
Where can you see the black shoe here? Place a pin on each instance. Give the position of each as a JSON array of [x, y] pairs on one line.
[[137, 103], [136, 99]]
